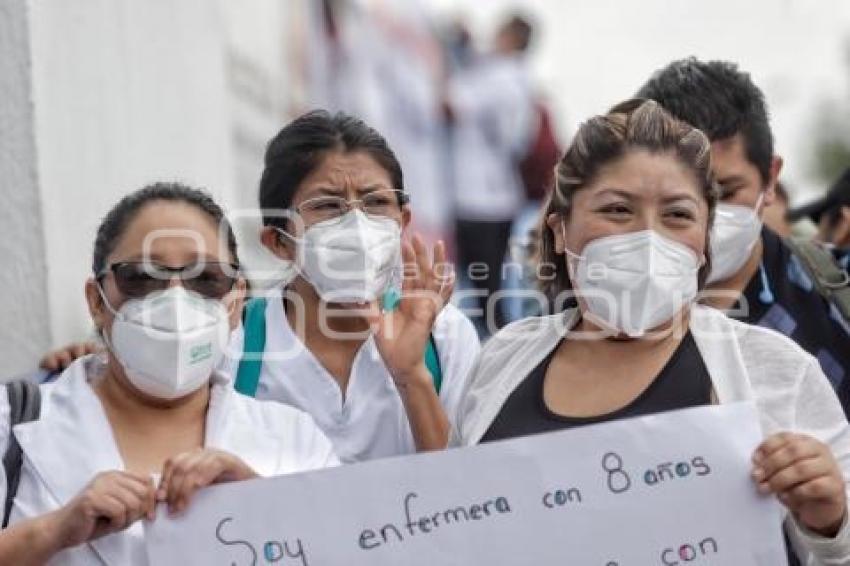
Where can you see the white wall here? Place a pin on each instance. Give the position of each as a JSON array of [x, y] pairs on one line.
[[97, 99], [125, 93], [24, 324]]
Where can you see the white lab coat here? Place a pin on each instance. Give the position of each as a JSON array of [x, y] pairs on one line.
[[493, 104], [368, 420], [744, 362], [72, 442]]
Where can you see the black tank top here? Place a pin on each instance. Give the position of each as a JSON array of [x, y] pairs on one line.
[[683, 382]]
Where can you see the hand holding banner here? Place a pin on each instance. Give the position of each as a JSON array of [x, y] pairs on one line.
[[668, 489]]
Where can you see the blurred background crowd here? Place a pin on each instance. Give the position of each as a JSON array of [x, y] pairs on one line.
[[477, 97]]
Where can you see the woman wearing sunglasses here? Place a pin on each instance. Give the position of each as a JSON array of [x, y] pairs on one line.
[[150, 420], [361, 337], [626, 233]]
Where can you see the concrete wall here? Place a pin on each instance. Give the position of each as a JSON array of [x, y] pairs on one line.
[[24, 321], [100, 97]]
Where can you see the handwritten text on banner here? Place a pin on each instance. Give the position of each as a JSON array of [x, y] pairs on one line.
[[667, 489]]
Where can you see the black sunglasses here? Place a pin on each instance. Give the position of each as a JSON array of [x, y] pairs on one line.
[[137, 279]]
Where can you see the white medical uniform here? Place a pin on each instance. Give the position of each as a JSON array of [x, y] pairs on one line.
[[369, 420], [493, 104], [72, 442]]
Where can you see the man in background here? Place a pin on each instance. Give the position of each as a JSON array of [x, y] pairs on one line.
[[754, 273]]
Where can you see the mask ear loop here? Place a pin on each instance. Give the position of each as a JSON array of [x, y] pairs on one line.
[[758, 204], [102, 331], [106, 302], [570, 254]]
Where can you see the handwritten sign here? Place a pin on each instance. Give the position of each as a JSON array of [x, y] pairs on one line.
[[670, 489]]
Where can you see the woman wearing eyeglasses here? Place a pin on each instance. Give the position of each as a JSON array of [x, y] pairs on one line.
[[150, 420], [374, 356], [371, 353]]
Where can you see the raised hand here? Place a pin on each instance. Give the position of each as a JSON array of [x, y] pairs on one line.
[[402, 334]]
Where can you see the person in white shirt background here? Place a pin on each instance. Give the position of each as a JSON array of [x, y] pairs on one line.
[[626, 232], [490, 104], [150, 420]]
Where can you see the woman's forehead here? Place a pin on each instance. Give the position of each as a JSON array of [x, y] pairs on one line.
[[641, 175], [171, 232], [356, 169]]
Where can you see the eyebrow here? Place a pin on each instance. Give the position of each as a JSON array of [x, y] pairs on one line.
[[335, 191], [616, 192], [157, 258], [680, 196], [732, 180], [631, 196]]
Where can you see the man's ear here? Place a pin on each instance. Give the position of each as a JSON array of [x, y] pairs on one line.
[[273, 241], [97, 309], [770, 189], [554, 222]]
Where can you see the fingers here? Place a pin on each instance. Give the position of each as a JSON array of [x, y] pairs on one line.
[[408, 257], [443, 271], [142, 488], [110, 515], [116, 500], [83, 349], [800, 470], [423, 263], [780, 453], [185, 474], [421, 273], [822, 488], [58, 360], [795, 474]]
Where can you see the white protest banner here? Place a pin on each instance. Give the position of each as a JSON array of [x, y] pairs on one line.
[[667, 489]]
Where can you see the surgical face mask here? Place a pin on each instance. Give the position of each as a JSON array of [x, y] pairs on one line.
[[632, 283], [353, 259], [734, 234], [168, 342]]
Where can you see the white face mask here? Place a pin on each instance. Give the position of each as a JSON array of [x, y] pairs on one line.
[[735, 232], [169, 342], [349, 260], [632, 283]]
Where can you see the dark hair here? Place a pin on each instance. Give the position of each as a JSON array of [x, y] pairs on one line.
[[115, 222], [720, 100], [299, 148], [521, 28], [634, 124]]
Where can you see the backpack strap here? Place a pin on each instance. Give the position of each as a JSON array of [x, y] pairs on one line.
[[390, 301], [254, 332], [831, 282], [24, 406], [432, 362]]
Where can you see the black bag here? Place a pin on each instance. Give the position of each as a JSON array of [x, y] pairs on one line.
[[24, 406]]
